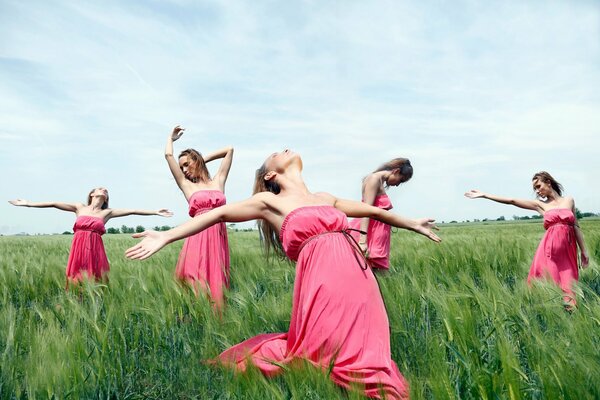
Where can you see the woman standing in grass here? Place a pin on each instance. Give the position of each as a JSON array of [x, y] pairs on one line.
[[204, 259], [338, 322], [556, 255], [87, 255], [374, 236]]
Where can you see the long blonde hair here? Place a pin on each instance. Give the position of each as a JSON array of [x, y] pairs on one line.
[[268, 233]]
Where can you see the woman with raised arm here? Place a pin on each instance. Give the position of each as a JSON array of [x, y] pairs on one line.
[[204, 259], [556, 255], [374, 236], [87, 255], [338, 322]]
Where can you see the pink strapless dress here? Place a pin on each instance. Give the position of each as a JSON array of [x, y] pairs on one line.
[[87, 255], [556, 255], [378, 235], [204, 258], [339, 322]]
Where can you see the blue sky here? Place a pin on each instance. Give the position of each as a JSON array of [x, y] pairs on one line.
[[476, 94]]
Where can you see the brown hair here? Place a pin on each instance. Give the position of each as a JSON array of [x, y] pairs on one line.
[[197, 165], [89, 201], [268, 234], [402, 164], [547, 178]]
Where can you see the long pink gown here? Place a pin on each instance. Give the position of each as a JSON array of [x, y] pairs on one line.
[[87, 255], [204, 258], [556, 255], [339, 322], [378, 235]]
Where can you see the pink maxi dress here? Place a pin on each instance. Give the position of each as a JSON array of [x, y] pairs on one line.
[[87, 255], [378, 235], [556, 255], [204, 258], [339, 322]]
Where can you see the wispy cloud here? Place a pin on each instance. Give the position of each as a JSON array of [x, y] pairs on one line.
[[476, 94]]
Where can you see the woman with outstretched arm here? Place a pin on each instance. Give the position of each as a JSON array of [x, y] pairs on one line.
[[339, 322], [87, 256], [556, 255]]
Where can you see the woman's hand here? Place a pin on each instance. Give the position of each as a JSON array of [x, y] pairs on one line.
[[19, 202], [163, 212], [474, 194], [153, 241], [177, 132], [425, 227], [585, 259]]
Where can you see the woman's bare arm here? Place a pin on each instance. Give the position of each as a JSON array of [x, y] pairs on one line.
[[580, 242], [369, 193], [424, 226], [72, 207], [226, 153], [521, 203], [123, 212], [172, 162], [252, 208]]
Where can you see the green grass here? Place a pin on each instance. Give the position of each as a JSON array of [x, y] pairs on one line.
[[464, 324]]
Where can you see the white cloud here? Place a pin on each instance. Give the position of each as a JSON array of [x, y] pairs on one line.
[[475, 94]]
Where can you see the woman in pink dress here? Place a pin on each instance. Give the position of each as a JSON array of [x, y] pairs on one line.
[[556, 255], [204, 259], [374, 236], [87, 257], [339, 322]]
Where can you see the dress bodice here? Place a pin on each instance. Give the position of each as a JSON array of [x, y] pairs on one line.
[[205, 200], [383, 201], [89, 223], [558, 216], [306, 222]]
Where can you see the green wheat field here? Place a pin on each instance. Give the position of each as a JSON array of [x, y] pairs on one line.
[[464, 324]]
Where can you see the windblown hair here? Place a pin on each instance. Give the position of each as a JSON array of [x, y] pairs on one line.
[[89, 200], [402, 164], [197, 165], [268, 234], [547, 178]]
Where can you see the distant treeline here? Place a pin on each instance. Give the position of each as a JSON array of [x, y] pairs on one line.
[[578, 213], [139, 228]]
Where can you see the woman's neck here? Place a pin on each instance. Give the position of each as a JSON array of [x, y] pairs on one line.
[[292, 184]]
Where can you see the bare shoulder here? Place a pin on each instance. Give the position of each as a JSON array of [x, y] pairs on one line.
[[371, 181], [570, 201], [266, 198], [371, 178], [326, 197], [79, 207]]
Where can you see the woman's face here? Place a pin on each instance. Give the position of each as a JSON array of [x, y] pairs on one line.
[[187, 166], [100, 192], [280, 161], [541, 188], [395, 178]]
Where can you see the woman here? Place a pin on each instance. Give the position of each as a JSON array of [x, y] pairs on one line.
[[204, 258], [374, 236], [556, 255], [338, 321], [87, 255]]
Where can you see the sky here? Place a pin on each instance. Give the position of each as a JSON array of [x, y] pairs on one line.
[[476, 94]]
